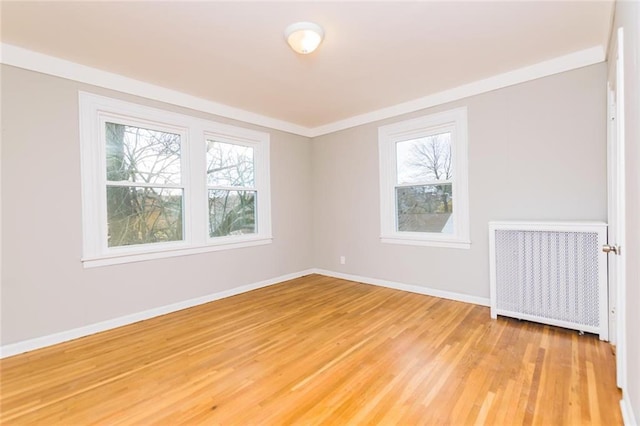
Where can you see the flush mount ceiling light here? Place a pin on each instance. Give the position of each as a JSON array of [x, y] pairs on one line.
[[304, 37]]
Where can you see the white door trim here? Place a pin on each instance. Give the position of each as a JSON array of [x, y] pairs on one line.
[[616, 200]]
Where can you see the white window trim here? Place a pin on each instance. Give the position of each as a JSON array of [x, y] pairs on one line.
[[388, 136], [94, 110]]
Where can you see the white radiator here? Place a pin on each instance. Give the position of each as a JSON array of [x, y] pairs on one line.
[[553, 273]]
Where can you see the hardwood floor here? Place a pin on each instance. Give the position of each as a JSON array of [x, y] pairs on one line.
[[318, 350]]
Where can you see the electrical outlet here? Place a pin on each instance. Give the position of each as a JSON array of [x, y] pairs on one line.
[[343, 260]]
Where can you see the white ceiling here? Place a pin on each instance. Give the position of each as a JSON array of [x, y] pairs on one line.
[[375, 54]]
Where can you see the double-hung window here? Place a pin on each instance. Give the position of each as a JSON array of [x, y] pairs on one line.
[[144, 183], [159, 184], [233, 195], [423, 181]]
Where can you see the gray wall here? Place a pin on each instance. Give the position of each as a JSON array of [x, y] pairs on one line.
[[536, 151], [628, 17], [45, 289]]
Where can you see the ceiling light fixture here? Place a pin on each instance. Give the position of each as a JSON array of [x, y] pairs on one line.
[[304, 37]]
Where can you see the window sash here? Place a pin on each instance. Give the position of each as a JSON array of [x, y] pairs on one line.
[[424, 183], [233, 188], [240, 224], [425, 134], [135, 121], [234, 143], [147, 222]]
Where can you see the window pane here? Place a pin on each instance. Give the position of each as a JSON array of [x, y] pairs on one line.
[[231, 212], [229, 164], [142, 215], [425, 208], [142, 155], [424, 159]]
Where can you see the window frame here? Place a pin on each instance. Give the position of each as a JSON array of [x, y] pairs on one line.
[[94, 112], [454, 120], [260, 186], [108, 117]]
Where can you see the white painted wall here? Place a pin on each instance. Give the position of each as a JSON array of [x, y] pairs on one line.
[[537, 151], [627, 16], [45, 289]]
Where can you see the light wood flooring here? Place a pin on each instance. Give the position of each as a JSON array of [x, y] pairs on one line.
[[318, 350]]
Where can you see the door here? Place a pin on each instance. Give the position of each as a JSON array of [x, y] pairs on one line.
[[616, 202]]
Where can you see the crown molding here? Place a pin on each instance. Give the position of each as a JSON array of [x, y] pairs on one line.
[[34, 61], [23, 58], [557, 65]]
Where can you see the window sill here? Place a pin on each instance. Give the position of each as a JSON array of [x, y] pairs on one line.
[[457, 244], [129, 257]]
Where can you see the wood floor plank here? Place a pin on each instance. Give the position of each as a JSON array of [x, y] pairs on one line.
[[317, 350]]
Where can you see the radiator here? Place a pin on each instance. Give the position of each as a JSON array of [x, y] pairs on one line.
[[552, 273]]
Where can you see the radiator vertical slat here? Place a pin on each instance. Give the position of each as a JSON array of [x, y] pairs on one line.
[[551, 273]]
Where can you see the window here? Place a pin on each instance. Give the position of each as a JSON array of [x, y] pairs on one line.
[[232, 194], [144, 185], [423, 181], [158, 184]]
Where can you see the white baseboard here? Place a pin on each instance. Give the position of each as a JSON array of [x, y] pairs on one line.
[[628, 417], [64, 336], [483, 301], [53, 339]]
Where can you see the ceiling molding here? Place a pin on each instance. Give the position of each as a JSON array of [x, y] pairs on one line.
[[579, 59], [23, 58], [34, 61]]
